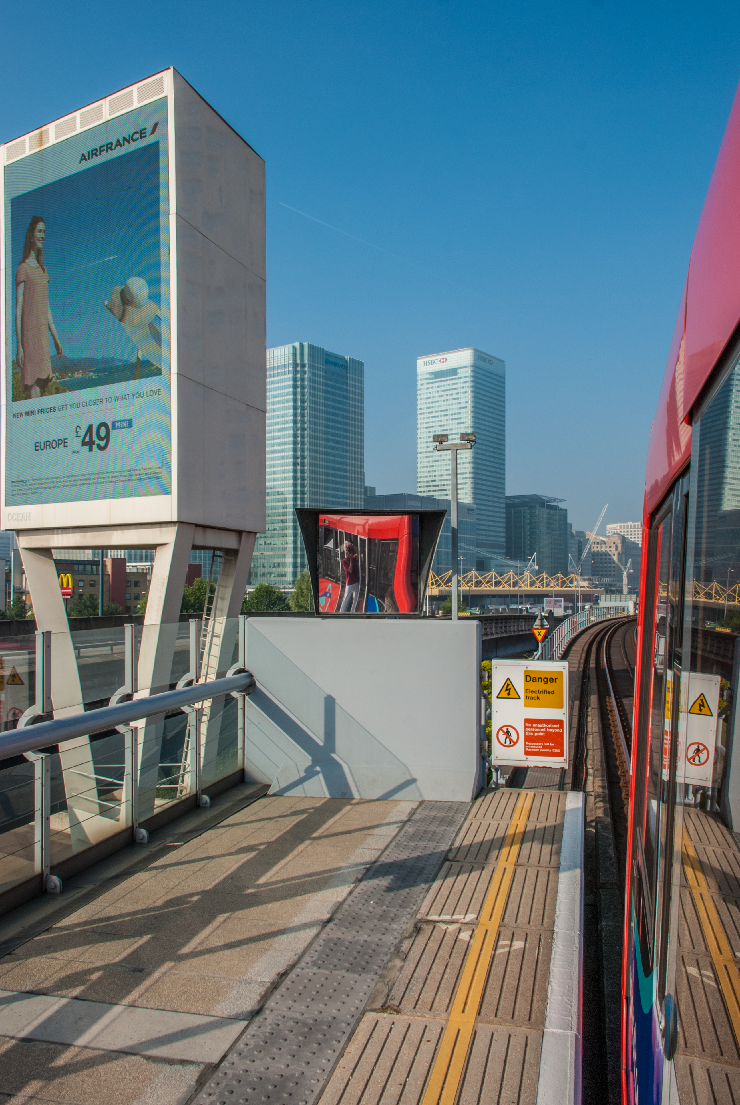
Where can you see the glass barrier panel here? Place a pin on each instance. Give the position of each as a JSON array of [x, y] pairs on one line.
[[90, 792], [221, 754], [101, 661], [19, 828], [17, 676], [181, 656], [166, 765], [231, 653]]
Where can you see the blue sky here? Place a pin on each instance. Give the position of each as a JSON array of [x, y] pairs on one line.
[[523, 177]]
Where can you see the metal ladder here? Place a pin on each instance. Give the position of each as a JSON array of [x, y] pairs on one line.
[[208, 639], [210, 633]]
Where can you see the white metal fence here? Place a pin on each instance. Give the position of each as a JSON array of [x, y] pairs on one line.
[[553, 647]]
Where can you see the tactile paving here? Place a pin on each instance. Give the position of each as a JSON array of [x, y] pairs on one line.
[[289, 1049]]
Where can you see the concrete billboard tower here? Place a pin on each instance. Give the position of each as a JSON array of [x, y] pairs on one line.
[[133, 351]]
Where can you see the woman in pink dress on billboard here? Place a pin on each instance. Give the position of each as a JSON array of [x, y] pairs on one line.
[[33, 321]]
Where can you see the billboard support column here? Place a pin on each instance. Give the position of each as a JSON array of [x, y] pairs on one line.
[[48, 607], [158, 636], [66, 693], [162, 615], [221, 640]]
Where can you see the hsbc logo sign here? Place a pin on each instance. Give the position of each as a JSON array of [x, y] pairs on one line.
[[434, 360]]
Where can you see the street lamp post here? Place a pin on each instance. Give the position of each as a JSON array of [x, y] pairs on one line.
[[442, 444], [460, 561]]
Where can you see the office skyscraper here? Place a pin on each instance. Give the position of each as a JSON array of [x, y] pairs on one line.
[[538, 524], [458, 392], [315, 449]]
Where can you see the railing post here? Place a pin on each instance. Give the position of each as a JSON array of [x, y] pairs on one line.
[[241, 702], [131, 732], [52, 884], [42, 681]]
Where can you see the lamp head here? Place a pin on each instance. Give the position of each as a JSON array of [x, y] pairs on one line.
[[439, 439], [468, 437]]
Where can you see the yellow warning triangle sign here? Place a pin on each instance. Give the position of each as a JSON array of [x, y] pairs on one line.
[[508, 690], [701, 707], [540, 632], [14, 679]]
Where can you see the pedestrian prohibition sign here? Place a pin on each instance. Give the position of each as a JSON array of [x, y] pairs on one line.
[[697, 754], [507, 736]]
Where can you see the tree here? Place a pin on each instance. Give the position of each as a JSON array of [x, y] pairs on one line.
[[264, 597], [141, 608], [446, 607], [110, 609], [84, 606], [17, 611], [301, 597], [194, 597]]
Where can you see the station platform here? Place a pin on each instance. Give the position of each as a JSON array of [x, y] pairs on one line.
[[300, 950]]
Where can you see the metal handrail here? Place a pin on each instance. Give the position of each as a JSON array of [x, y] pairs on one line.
[[552, 647], [45, 733]]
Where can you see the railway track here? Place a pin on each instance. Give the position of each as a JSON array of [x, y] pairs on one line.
[[602, 666]]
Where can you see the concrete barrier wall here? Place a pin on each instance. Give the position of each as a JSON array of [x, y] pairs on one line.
[[365, 709]]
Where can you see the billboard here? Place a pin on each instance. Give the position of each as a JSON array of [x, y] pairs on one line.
[[370, 562], [133, 274], [87, 310]]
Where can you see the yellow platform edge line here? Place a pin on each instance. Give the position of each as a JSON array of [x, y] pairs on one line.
[[449, 1062], [715, 936]]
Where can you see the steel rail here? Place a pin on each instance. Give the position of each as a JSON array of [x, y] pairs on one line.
[[605, 644], [46, 733]]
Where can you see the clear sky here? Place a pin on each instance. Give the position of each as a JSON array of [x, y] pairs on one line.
[[525, 177]]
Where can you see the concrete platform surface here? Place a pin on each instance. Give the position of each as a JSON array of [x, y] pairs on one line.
[[172, 960]]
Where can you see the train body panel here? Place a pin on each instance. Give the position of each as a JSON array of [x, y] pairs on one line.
[[386, 552], [683, 862]]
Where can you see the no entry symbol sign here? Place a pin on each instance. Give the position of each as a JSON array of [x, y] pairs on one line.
[[507, 736], [697, 753]]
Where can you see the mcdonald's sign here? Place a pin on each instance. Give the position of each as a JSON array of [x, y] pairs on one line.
[[65, 582]]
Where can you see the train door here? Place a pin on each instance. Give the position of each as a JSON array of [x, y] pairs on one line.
[[654, 806], [330, 569]]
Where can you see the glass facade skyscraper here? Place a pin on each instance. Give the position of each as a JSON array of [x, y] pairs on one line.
[[538, 524], [315, 449], [464, 391]]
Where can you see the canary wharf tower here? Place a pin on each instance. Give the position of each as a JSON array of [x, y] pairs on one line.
[[464, 391], [315, 449]]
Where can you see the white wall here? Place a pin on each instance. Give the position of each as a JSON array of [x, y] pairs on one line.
[[365, 709], [221, 373]]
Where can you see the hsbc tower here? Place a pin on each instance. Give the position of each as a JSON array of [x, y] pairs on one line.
[[464, 391]]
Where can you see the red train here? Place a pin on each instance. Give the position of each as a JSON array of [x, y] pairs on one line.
[[680, 984], [368, 563]]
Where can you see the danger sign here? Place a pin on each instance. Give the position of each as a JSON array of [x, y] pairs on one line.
[[697, 727], [701, 707], [530, 712], [508, 690]]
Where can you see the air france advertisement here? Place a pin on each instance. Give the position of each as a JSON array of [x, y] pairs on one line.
[[87, 315]]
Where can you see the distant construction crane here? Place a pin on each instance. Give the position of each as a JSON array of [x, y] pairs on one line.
[[577, 567], [623, 570]]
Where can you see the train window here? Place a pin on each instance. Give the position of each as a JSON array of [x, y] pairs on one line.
[[658, 697], [660, 712], [713, 607], [330, 559]]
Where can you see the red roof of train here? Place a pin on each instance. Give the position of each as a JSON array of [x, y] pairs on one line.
[[707, 318]]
